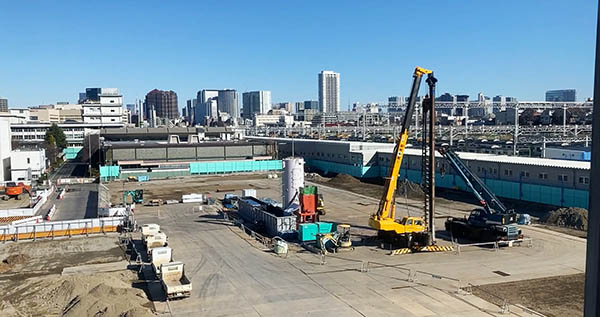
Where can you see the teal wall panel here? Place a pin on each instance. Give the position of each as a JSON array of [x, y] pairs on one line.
[[223, 167], [514, 190]]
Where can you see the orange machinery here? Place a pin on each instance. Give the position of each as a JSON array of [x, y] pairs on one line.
[[15, 190]]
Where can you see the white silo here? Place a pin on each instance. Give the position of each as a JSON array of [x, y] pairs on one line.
[[292, 180]]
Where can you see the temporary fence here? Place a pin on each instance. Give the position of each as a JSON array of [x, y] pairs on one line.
[[52, 229], [65, 181]]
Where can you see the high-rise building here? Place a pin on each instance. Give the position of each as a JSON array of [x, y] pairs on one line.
[[329, 91], [163, 102], [205, 94], [256, 102], [566, 95], [299, 106], [227, 101], [3, 104], [190, 108], [102, 105]]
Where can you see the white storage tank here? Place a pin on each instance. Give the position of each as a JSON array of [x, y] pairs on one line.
[[292, 180]]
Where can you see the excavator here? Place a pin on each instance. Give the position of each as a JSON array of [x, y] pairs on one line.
[[15, 190], [409, 231]]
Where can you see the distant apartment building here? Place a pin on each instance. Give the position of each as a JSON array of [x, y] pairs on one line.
[[102, 106], [287, 106], [256, 102], [566, 95], [329, 91], [163, 102], [3, 104], [395, 103]]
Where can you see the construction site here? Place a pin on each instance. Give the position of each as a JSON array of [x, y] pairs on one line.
[[287, 241]]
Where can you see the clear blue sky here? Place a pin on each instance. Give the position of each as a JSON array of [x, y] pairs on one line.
[[50, 51]]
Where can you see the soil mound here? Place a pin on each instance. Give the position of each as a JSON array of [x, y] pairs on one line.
[[344, 179], [571, 217], [16, 259]]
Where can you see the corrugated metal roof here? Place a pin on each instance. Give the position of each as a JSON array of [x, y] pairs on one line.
[[389, 147]]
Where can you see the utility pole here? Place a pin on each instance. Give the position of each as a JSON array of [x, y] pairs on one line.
[[592, 279]]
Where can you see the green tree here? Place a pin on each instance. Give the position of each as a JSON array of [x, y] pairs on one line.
[[51, 151], [58, 136]]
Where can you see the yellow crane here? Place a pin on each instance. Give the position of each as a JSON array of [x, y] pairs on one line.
[[407, 231]]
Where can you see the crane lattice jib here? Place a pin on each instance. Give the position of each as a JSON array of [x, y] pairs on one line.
[[485, 196]]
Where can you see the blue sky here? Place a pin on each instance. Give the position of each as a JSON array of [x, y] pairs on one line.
[[49, 51]]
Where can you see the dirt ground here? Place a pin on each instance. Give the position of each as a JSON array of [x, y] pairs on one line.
[[172, 189], [32, 284], [551, 296]]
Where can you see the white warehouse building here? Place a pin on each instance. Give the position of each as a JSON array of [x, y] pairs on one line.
[[26, 165]]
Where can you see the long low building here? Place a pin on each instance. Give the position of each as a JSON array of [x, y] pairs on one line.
[[539, 180], [160, 159]]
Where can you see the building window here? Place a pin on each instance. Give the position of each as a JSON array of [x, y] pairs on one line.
[[543, 175], [563, 178], [526, 174], [507, 172], [584, 180], [28, 161]]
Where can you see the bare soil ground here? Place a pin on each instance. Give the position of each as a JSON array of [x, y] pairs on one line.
[[551, 296], [31, 282], [173, 189]]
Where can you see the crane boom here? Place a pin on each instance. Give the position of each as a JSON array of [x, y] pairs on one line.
[[384, 219], [486, 197]]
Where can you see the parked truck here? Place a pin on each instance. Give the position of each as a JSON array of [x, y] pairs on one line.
[[149, 229], [160, 256], [155, 240], [174, 281]]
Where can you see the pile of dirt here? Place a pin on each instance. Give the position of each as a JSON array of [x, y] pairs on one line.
[[410, 189], [100, 294], [571, 217], [344, 179], [15, 259], [12, 260]]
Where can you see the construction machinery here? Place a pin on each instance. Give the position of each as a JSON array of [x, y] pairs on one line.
[[409, 231], [137, 196], [311, 207], [490, 222], [15, 190], [335, 241]]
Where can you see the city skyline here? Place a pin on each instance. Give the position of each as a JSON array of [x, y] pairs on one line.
[[474, 58]]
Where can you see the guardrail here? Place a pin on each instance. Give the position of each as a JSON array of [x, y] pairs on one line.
[[494, 244], [52, 229], [66, 181]]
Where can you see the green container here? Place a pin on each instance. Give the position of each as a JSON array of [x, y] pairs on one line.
[[325, 227], [309, 190], [308, 231]]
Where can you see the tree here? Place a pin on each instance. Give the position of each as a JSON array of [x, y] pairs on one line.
[[51, 151], [60, 140]]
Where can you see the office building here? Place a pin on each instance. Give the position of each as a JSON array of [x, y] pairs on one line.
[[164, 103], [190, 108], [287, 106], [256, 102], [3, 104], [205, 94], [312, 104], [5, 148], [102, 105], [566, 95], [329, 91], [227, 101], [299, 106]]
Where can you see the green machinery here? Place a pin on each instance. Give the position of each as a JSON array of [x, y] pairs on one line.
[[137, 196]]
